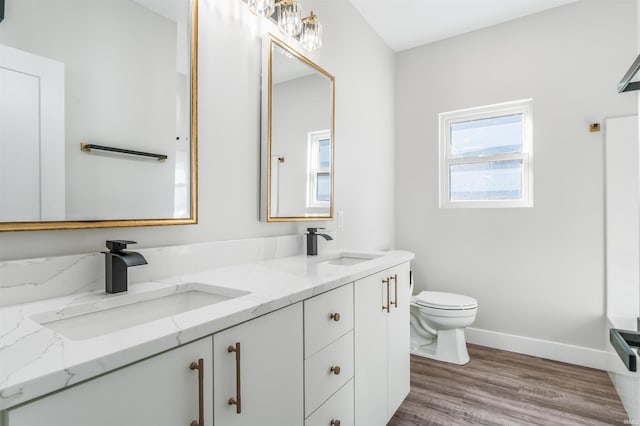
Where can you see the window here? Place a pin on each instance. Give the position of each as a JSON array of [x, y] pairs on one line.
[[485, 156], [319, 177]]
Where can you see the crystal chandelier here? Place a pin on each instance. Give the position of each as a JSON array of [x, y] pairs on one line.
[[288, 17]]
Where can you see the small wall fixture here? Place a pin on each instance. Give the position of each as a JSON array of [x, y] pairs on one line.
[[287, 14], [1, 10]]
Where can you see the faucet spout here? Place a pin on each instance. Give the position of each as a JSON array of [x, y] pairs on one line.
[[312, 240], [117, 262]]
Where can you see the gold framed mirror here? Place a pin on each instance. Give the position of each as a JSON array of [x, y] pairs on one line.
[[114, 109], [297, 136]]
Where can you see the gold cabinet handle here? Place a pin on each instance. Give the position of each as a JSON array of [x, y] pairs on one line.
[[395, 282], [335, 370], [335, 316], [386, 281], [335, 423], [199, 365], [237, 401]]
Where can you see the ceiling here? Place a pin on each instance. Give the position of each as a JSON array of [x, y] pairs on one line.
[[404, 24]]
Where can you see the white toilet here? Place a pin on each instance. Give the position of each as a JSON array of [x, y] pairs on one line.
[[438, 321]]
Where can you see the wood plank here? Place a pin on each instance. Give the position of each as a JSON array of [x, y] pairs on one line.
[[505, 388]]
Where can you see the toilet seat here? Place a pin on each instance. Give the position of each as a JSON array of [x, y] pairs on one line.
[[444, 301]]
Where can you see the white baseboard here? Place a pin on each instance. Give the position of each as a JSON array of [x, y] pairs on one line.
[[570, 354]]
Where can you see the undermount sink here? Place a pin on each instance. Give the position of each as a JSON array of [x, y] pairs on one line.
[[346, 259], [121, 311]]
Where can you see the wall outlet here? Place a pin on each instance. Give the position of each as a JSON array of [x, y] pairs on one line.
[[340, 219]]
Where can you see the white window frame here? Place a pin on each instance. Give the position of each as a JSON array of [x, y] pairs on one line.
[[523, 107], [314, 139]]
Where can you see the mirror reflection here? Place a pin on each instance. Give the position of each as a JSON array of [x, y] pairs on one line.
[[113, 73], [300, 136]]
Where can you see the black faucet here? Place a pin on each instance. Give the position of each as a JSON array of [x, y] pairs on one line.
[[312, 241], [116, 263]]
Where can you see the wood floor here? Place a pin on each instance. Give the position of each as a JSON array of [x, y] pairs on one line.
[[504, 388]]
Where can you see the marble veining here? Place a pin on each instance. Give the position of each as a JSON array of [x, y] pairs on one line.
[[35, 360], [27, 280]]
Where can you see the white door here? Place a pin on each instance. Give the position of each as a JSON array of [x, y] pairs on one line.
[[398, 358], [32, 148], [622, 218], [160, 391], [370, 347], [270, 370]]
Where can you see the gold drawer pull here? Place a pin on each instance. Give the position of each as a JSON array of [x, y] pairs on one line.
[[335, 423], [386, 281], [199, 365], [335, 316], [395, 281], [237, 401], [335, 370]]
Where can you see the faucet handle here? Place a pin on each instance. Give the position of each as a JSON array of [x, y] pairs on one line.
[[313, 230], [116, 246]]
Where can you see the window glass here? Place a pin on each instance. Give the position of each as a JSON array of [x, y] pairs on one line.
[[486, 136], [324, 146], [495, 180], [324, 187]]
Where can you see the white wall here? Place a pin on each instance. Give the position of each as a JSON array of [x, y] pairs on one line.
[[229, 138], [536, 272]]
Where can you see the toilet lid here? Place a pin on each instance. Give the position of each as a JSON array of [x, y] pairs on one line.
[[440, 300]]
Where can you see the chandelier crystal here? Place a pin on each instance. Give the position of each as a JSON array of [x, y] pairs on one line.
[[262, 7], [311, 34], [289, 17]]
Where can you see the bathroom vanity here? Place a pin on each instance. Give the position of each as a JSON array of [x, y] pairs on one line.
[[292, 340]]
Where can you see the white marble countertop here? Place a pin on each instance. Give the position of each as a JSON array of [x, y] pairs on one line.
[[35, 360]]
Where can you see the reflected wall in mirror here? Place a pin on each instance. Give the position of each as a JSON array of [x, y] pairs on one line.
[[116, 73], [297, 136]]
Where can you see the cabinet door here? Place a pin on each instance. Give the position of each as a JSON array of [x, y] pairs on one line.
[[270, 369], [160, 391], [370, 335], [398, 358]]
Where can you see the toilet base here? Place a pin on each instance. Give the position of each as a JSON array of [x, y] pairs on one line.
[[448, 346]]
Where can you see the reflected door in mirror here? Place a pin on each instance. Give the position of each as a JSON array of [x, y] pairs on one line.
[[125, 79]]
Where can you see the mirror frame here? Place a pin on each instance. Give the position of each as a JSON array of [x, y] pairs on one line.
[[266, 133], [193, 219]]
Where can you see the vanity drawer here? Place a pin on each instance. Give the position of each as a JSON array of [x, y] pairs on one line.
[[338, 408], [327, 371], [327, 317]]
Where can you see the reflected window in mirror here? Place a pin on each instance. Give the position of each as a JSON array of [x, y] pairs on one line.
[[297, 136], [319, 169]]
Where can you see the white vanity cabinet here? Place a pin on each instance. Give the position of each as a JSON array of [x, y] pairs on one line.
[[162, 390], [257, 374], [329, 362], [340, 358], [382, 375]]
